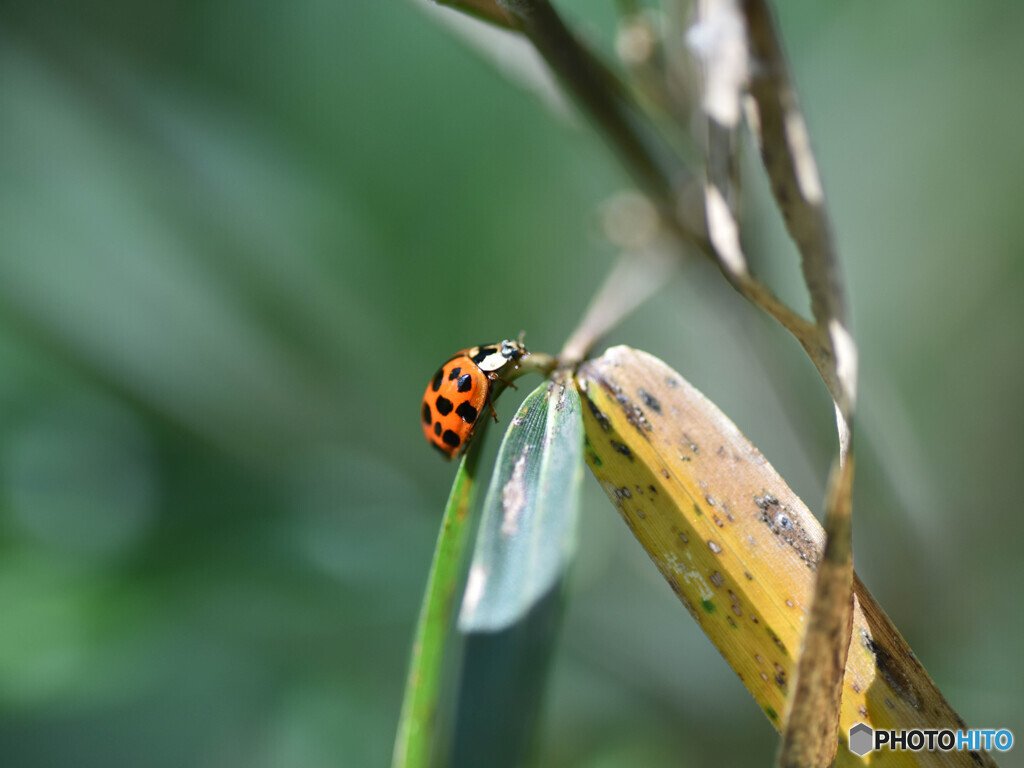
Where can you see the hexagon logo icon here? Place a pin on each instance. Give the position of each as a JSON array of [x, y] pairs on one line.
[[861, 739]]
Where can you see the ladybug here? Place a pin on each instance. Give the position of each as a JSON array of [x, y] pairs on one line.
[[460, 390]]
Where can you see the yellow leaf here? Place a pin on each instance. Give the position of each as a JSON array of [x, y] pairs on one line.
[[740, 550]]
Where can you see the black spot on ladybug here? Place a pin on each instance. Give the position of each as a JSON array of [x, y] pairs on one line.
[[450, 438], [467, 412], [455, 373], [444, 405], [426, 414], [465, 382], [482, 353], [437, 428], [438, 378], [649, 400]]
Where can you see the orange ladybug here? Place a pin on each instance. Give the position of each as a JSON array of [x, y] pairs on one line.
[[460, 390]]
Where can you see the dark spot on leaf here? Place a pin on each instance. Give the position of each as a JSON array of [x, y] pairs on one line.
[[600, 416], [689, 443], [893, 672], [623, 449], [634, 415], [782, 523], [780, 677], [775, 639], [649, 400], [735, 604]]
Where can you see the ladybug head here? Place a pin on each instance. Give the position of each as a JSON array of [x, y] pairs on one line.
[[513, 350]]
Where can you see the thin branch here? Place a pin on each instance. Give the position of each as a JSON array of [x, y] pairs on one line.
[[789, 161], [791, 167], [661, 174], [485, 10], [671, 185], [657, 169], [635, 277], [649, 256]]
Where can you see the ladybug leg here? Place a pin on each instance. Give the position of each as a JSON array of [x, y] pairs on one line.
[[506, 382], [494, 414]]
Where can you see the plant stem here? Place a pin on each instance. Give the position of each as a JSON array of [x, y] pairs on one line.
[[418, 722], [655, 166]]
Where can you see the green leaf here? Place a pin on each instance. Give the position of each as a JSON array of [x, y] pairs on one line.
[[417, 726], [527, 531], [501, 689]]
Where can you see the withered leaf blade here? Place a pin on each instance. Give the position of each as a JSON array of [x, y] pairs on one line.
[[742, 551]]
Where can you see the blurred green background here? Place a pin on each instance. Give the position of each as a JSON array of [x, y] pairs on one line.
[[236, 239]]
